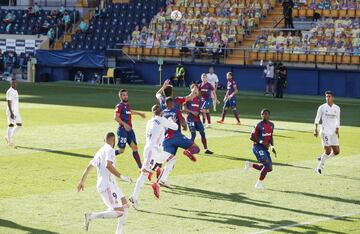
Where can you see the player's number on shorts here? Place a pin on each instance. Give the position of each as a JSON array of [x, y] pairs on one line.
[[114, 195], [191, 124], [326, 139], [261, 152], [123, 140]]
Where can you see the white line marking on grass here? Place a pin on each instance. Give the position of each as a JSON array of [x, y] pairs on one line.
[[307, 223]]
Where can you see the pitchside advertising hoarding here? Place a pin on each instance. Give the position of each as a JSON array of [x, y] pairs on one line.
[[20, 45]]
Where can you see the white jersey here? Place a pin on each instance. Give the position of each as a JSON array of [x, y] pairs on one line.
[[13, 96], [155, 130], [330, 117], [105, 178], [212, 79]]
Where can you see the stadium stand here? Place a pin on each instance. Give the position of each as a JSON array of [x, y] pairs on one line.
[[113, 25]]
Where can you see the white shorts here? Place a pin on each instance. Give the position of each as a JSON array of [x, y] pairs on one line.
[[15, 120], [112, 196], [329, 139], [153, 155]]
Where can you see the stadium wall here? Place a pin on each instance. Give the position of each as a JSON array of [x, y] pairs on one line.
[[305, 81]]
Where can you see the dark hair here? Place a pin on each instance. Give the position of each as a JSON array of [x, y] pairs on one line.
[[168, 100], [265, 110], [229, 73], [329, 92], [168, 90], [123, 91], [109, 135]]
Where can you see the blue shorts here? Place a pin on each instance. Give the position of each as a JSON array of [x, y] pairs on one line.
[[270, 81], [230, 103], [171, 145], [125, 137], [262, 155], [206, 104], [195, 126]]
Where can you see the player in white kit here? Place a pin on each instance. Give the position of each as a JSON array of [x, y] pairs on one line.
[[213, 79], [104, 161], [329, 114], [153, 150], [12, 112]]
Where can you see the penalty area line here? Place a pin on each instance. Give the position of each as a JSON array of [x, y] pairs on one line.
[[307, 223]]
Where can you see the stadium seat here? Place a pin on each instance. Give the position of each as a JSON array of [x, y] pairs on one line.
[[302, 58], [329, 58], [346, 59], [109, 75], [261, 56], [355, 60]]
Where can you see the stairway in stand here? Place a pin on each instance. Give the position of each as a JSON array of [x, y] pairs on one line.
[[237, 56]]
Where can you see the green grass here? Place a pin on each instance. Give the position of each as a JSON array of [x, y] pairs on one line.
[[64, 124]]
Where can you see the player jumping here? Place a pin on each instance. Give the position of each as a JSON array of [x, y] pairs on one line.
[[262, 136], [173, 140], [153, 150], [193, 119], [207, 92], [125, 131], [112, 196], [12, 112], [329, 114], [230, 99]]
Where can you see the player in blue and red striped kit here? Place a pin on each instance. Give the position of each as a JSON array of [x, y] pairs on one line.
[[207, 92], [193, 108], [230, 99], [125, 132], [174, 139], [262, 136]]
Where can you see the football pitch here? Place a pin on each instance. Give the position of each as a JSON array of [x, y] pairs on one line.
[[64, 125]]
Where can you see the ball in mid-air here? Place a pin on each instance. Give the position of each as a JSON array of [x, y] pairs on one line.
[[176, 15]]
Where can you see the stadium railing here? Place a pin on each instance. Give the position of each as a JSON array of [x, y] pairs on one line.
[[248, 55]]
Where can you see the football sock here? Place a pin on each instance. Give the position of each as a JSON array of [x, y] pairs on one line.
[[15, 130], [324, 157], [139, 184], [203, 117], [169, 166], [9, 134], [236, 114], [193, 136], [110, 214], [117, 152], [263, 173], [137, 158], [194, 149], [257, 167], [208, 117], [331, 155], [223, 115], [121, 222], [203, 140]]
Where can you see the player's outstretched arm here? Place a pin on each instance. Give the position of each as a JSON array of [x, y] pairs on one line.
[[115, 172], [81, 184], [191, 96], [142, 115], [160, 92], [169, 123]]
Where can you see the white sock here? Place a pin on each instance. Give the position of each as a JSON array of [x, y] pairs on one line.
[[139, 184], [9, 134], [110, 214], [121, 222], [214, 104], [331, 155], [169, 166], [324, 157], [16, 129]]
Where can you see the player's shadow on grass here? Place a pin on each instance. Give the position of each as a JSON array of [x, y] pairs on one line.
[[229, 157], [241, 221], [237, 198], [336, 199], [279, 226], [10, 224], [282, 129], [60, 152]]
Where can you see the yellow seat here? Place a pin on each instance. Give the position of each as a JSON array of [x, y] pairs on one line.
[[176, 53], [346, 59], [334, 13], [147, 52], [169, 52], [109, 75], [342, 13], [351, 13], [302, 58], [310, 58], [310, 13], [320, 58], [329, 58], [261, 56], [355, 60]]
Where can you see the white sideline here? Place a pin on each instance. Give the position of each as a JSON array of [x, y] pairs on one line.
[[307, 223]]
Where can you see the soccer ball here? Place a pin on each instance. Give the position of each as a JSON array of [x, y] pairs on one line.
[[176, 15]]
